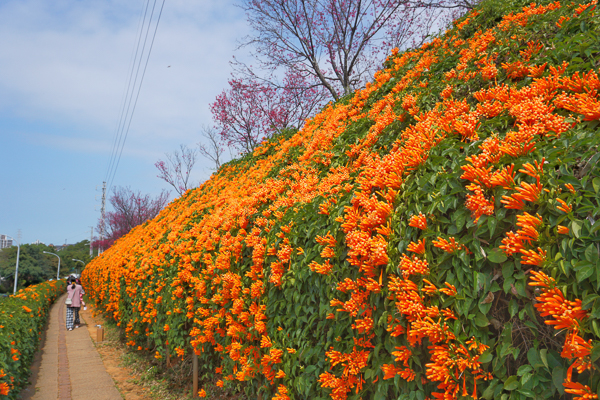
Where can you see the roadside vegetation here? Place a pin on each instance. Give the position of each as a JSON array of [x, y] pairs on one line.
[[435, 234], [22, 321]]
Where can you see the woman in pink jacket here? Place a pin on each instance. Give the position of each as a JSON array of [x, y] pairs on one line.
[[74, 292]]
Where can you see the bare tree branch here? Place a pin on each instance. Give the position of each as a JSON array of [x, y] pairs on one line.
[[213, 149], [176, 171], [337, 43]]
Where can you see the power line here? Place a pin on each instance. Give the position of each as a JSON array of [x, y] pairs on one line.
[[134, 52], [128, 115], [131, 85]]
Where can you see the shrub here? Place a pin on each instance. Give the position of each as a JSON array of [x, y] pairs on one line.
[[22, 318], [435, 235]]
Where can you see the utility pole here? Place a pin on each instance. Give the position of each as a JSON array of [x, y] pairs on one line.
[[102, 217], [91, 239], [18, 254]]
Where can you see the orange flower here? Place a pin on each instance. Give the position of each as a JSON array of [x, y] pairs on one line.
[[447, 92], [541, 279], [583, 7], [323, 269], [529, 191], [564, 207], [202, 393], [532, 171], [449, 290], [582, 392], [448, 246], [281, 393], [563, 230], [280, 374], [529, 225], [4, 388], [265, 341], [429, 288], [418, 247], [511, 244], [504, 178], [561, 20], [531, 257], [565, 314], [413, 266], [448, 314], [478, 204], [418, 221]]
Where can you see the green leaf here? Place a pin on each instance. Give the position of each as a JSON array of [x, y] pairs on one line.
[[486, 357], [481, 320], [460, 221], [534, 358], [596, 327], [526, 393], [489, 391], [591, 253], [585, 273], [496, 256], [595, 353], [596, 184], [558, 377], [492, 222], [524, 369], [511, 383], [595, 227], [543, 353], [513, 307], [576, 228], [588, 301], [310, 369]]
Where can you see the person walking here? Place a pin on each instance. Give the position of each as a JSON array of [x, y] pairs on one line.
[[73, 302]]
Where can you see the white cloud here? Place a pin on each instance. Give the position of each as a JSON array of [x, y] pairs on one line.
[[63, 68], [68, 61]]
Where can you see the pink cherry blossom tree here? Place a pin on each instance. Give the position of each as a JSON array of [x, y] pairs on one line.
[[130, 209], [250, 110]]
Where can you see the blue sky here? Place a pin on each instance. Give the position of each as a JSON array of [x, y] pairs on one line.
[[63, 69]]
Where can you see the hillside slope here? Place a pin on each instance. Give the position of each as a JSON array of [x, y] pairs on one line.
[[433, 235]]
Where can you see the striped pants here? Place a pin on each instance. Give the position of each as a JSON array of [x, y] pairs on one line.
[[72, 317]]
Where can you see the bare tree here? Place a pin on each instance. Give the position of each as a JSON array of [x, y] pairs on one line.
[[176, 171], [334, 43], [213, 149], [463, 5]]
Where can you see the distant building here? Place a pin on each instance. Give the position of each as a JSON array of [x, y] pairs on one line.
[[37, 242], [5, 242]]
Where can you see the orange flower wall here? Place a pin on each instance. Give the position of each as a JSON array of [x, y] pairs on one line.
[[425, 235]]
